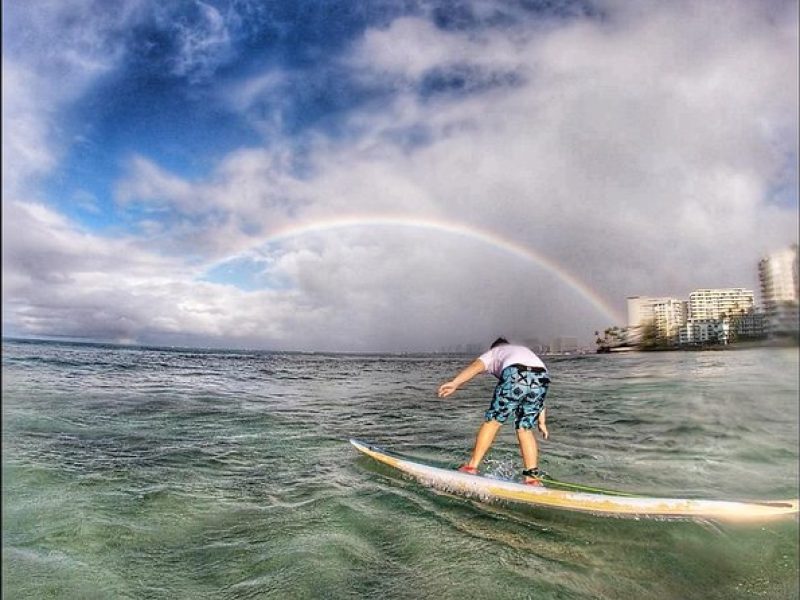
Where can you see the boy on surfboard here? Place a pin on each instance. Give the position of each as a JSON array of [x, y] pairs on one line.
[[521, 389]]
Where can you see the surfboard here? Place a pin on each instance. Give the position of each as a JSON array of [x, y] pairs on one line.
[[603, 504]]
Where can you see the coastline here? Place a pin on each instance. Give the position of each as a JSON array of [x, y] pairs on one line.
[[788, 342]]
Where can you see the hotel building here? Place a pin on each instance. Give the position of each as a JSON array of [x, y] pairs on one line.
[[641, 311], [669, 316], [780, 291], [719, 303], [709, 316], [720, 316]]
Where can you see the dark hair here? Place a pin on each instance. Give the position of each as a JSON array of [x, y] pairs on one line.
[[498, 342]]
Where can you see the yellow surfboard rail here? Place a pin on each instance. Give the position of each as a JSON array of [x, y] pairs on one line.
[[599, 504]]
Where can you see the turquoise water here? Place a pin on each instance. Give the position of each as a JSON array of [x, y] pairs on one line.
[[157, 473]]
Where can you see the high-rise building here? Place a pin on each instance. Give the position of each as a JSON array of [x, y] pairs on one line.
[[669, 315], [701, 331], [719, 316], [535, 344], [641, 312], [564, 345], [719, 303], [780, 291]]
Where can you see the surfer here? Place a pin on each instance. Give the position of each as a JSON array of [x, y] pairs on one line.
[[522, 386]]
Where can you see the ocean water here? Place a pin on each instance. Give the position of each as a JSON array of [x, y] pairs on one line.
[[167, 473]]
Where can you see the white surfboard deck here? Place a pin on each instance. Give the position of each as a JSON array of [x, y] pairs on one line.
[[600, 504]]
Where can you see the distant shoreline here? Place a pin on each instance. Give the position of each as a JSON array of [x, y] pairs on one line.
[[787, 342], [772, 343]]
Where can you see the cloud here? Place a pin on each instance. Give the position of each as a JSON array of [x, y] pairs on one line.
[[645, 130], [50, 58], [26, 151], [202, 39], [250, 192], [638, 147], [59, 280]]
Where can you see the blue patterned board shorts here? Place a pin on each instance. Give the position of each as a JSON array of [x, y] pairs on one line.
[[520, 392]]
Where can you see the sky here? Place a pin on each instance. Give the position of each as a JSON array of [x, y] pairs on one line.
[[386, 175]]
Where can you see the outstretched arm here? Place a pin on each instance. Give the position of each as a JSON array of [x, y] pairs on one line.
[[475, 368]]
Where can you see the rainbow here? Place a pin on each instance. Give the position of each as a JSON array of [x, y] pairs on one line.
[[470, 232]]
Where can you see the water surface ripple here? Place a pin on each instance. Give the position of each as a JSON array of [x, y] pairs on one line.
[[166, 473]]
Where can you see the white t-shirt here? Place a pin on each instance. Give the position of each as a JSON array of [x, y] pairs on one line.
[[499, 357]]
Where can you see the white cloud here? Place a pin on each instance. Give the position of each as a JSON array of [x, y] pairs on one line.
[[59, 280], [202, 37], [26, 151], [59, 49], [149, 184], [637, 151], [245, 94], [656, 129]]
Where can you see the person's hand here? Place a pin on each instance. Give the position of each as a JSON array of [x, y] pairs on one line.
[[446, 389], [543, 429]]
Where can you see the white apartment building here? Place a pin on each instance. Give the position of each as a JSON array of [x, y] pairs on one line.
[[641, 311], [700, 331], [780, 290], [711, 316], [669, 316], [718, 316], [749, 326], [715, 303]]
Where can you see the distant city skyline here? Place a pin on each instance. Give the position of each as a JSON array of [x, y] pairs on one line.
[[708, 314], [376, 176]]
